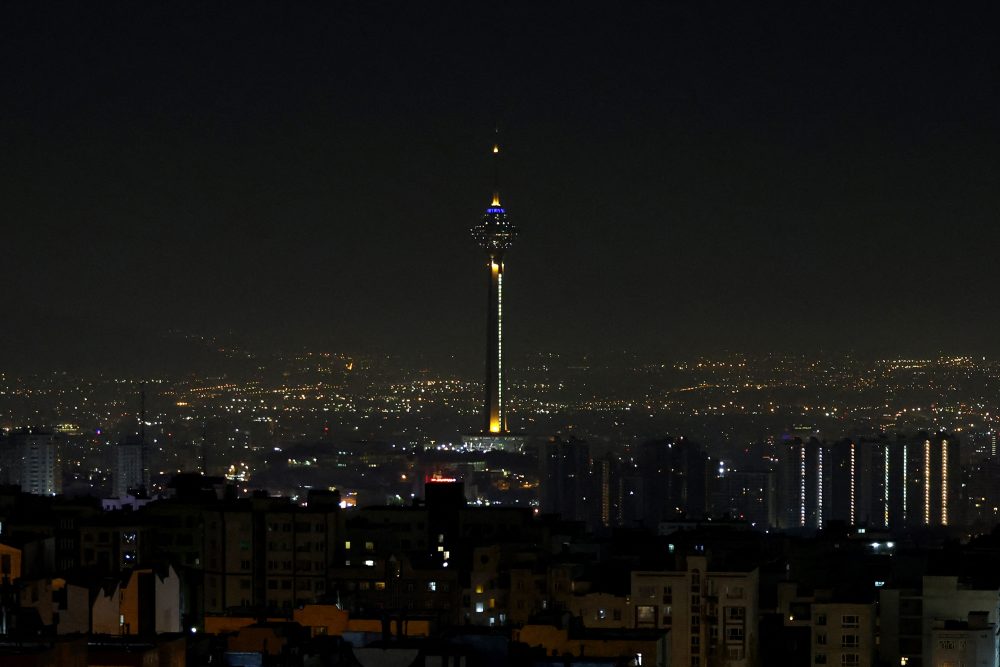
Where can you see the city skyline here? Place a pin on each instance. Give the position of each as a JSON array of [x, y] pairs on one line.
[[694, 180], [737, 404]]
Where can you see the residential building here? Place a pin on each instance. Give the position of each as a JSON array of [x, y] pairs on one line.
[[712, 615]]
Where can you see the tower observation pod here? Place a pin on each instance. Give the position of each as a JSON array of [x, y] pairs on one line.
[[495, 235]]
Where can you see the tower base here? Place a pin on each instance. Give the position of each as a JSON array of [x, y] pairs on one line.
[[494, 442]]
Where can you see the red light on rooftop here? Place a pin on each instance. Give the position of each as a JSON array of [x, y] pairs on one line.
[[436, 479]]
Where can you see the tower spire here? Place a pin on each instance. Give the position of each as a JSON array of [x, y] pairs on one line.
[[496, 167]]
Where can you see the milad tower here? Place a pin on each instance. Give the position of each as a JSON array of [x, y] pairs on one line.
[[494, 234]]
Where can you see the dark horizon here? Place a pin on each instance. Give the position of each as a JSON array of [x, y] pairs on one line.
[[686, 180]]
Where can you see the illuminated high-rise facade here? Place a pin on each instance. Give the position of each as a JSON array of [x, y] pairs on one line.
[[495, 235], [859, 482], [30, 459], [803, 475]]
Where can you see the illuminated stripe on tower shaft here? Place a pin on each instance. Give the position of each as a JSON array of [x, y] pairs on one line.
[[496, 421]]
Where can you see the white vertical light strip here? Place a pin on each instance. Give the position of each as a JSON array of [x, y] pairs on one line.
[[500, 347], [885, 490], [819, 487], [944, 482], [802, 485], [852, 485], [927, 482]]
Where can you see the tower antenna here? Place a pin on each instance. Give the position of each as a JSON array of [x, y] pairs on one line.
[[496, 165]]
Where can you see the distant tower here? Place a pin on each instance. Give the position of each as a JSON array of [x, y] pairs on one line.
[[495, 234]]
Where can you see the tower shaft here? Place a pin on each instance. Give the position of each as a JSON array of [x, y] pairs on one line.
[[495, 417]]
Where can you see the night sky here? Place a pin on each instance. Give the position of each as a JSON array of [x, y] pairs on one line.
[[686, 179]]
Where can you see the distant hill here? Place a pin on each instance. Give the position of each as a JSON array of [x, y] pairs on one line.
[[41, 342]]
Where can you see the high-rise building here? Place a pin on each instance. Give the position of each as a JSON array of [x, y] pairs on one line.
[[943, 615], [609, 490], [712, 616], [924, 479], [495, 235], [940, 480], [131, 464], [858, 485], [673, 480], [131, 473], [870, 481], [801, 483], [30, 459], [567, 485], [746, 495]]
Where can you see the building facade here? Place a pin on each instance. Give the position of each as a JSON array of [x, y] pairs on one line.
[[712, 616]]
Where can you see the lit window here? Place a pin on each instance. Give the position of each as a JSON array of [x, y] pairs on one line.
[[646, 614]]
